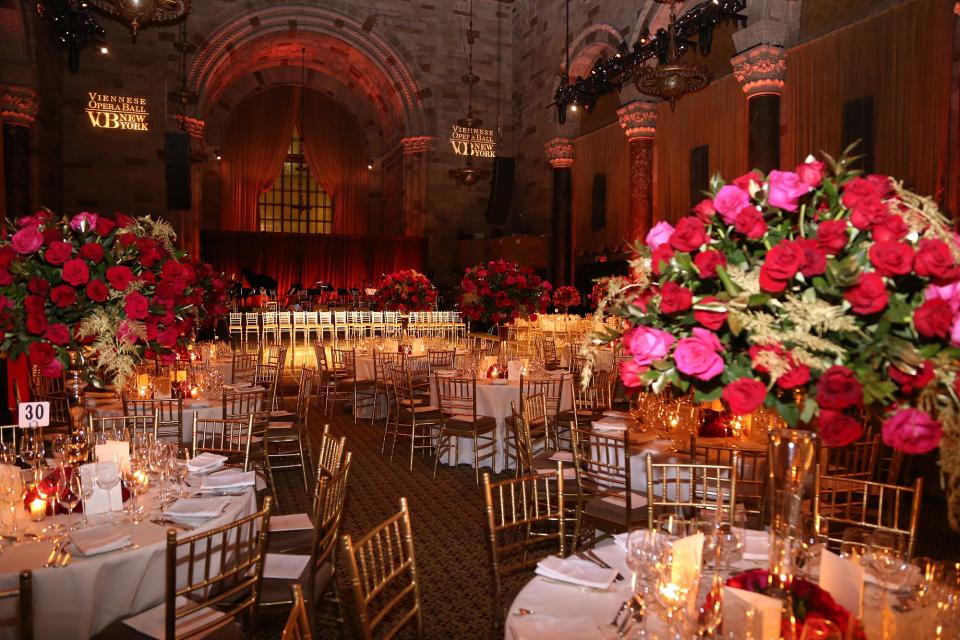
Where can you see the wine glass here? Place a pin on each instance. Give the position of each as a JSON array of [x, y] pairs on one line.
[[108, 477], [160, 465], [730, 541], [180, 467], [31, 448], [8, 453], [136, 478], [70, 496], [86, 492], [674, 585], [58, 446], [50, 489], [811, 543], [672, 525], [931, 574], [78, 447], [855, 543], [887, 555]]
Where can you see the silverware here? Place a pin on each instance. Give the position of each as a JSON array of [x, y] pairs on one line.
[[65, 560], [54, 556], [591, 553], [616, 618], [589, 556], [164, 522]]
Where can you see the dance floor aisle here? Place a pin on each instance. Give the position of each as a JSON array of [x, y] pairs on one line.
[[448, 530]]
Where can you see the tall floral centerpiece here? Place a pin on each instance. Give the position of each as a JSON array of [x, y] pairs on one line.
[[565, 297], [821, 293], [499, 292], [114, 288], [406, 290]]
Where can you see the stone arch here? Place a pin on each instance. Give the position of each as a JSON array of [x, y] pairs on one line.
[[243, 43], [601, 39]]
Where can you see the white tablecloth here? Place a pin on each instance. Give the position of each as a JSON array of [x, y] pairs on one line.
[[203, 408], [81, 599]]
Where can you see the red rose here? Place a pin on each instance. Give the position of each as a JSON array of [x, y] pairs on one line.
[[689, 234], [868, 296], [744, 181], [910, 383], [934, 319], [63, 296], [661, 255], [935, 261], [58, 334], [838, 429], [40, 353], [27, 240], [58, 252], [811, 173], [75, 272], [169, 337], [136, 305], [36, 323], [710, 319], [865, 188], [869, 213], [38, 286], [704, 210], [7, 256], [891, 229], [781, 265], [832, 236], [104, 226], [33, 304], [838, 388], [744, 396], [97, 291], [750, 223], [757, 349], [119, 277], [5, 278], [92, 252], [814, 258], [891, 258], [797, 376], [708, 261], [674, 298]]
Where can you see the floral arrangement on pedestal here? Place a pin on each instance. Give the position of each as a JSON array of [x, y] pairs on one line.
[[406, 290], [565, 297], [822, 293], [114, 288], [499, 292], [601, 289]]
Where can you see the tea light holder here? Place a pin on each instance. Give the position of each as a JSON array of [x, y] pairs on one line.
[[495, 372], [38, 509]]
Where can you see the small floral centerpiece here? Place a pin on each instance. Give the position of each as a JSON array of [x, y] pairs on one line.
[[406, 290], [113, 287], [565, 297], [499, 292], [824, 294]]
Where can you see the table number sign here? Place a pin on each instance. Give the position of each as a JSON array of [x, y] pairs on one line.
[[33, 414]]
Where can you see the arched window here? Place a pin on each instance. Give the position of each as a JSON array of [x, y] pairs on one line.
[[295, 203]]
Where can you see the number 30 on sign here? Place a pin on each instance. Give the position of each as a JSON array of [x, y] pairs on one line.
[[34, 414]]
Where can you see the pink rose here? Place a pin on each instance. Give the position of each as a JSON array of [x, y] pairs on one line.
[[697, 355], [728, 202], [27, 240], [784, 188], [949, 293], [659, 234], [631, 373], [647, 345], [811, 173], [52, 369], [912, 431], [83, 221]]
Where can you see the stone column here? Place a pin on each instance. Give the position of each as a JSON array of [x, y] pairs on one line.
[[415, 169], [639, 120], [189, 232], [559, 152], [18, 111], [760, 71]]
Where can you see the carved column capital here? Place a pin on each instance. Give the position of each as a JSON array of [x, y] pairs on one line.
[[18, 105], [638, 119], [761, 70], [415, 144], [193, 126], [559, 152]]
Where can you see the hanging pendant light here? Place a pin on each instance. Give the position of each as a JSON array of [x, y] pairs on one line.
[[140, 13], [468, 175], [671, 80]]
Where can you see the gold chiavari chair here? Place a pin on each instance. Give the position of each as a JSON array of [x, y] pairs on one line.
[[240, 403], [589, 403], [547, 347], [269, 376], [362, 393], [23, 592], [604, 482], [330, 452], [297, 626], [382, 360], [213, 582], [839, 503], [752, 472], [440, 359], [690, 489], [459, 419], [168, 412], [525, 518], [236, 439], [383, 574], [286, 443], [326, 376], [412, 420], [132, 424], [855, 460], [269, 325], [282, 413], [243, 367]]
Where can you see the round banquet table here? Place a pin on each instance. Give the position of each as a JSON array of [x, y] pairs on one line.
[[603, 360], [561, 611], [203, 409], [84, 597]]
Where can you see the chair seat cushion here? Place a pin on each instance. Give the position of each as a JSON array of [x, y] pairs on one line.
[[613, 507], [277, 590], [463, 422], [154, 617]]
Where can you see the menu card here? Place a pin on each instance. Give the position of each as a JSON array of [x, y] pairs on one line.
[[765, 622], [114, 451], [842, 579], [687, 556]]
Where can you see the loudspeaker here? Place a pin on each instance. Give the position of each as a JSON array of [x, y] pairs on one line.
[[176, 155], [501, 190]]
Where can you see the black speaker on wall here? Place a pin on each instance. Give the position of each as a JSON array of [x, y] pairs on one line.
[[501, 190], [176, 155]]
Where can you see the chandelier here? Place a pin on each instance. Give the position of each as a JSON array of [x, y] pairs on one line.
[[468, 175], [140, 13], [669, 79]]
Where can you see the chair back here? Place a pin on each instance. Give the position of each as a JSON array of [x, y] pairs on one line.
[[344, 361], [278, 356], [243, 367], [213, 578], [690, 488], [383, 573], [855, 460], [441, 359], [269, 319], [240, 403], [168, 412], [330, 452], [235, 321], [382, 360], [525, 523], [252, 320], [328, 500], [23, 593], [458, 396], [548, 351], [535, 420], [603, 463], [132, 424], [751, 466], [298, 624], [840, 502], [231, 438]]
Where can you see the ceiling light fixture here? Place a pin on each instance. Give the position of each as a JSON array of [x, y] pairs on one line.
[[139, 14], [468, 175]]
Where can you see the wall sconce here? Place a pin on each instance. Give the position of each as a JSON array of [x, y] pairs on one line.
[[370, 163], [218, 154]]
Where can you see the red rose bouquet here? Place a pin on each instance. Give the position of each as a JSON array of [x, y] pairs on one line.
[[406, 290], [566, 297], [499, 292], [817, 292]]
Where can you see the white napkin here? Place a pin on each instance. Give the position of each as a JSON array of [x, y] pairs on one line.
[[293, 522], [843, 579], [196, 404], [284, 566], [237, 385], [618, 414], [152, 622], [206, 462], [200, 508], [229, 479], [609, 424], [756, 545], [576, 571], [536, 626], [90, 542], [766, 617]]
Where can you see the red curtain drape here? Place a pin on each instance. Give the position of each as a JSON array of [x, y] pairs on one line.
[[343, 261], [255, 143], [336, 152]]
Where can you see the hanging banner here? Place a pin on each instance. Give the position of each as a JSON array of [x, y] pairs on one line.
[[470, 141], [107, 111]]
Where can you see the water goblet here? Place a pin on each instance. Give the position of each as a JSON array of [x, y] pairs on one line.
[[31, 448], [108, 477], [855, 543], [78, 447], [673, 590], [86, 492], [136, 479], [70, 496], [8, 453], [50, 490], [160, 465]]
